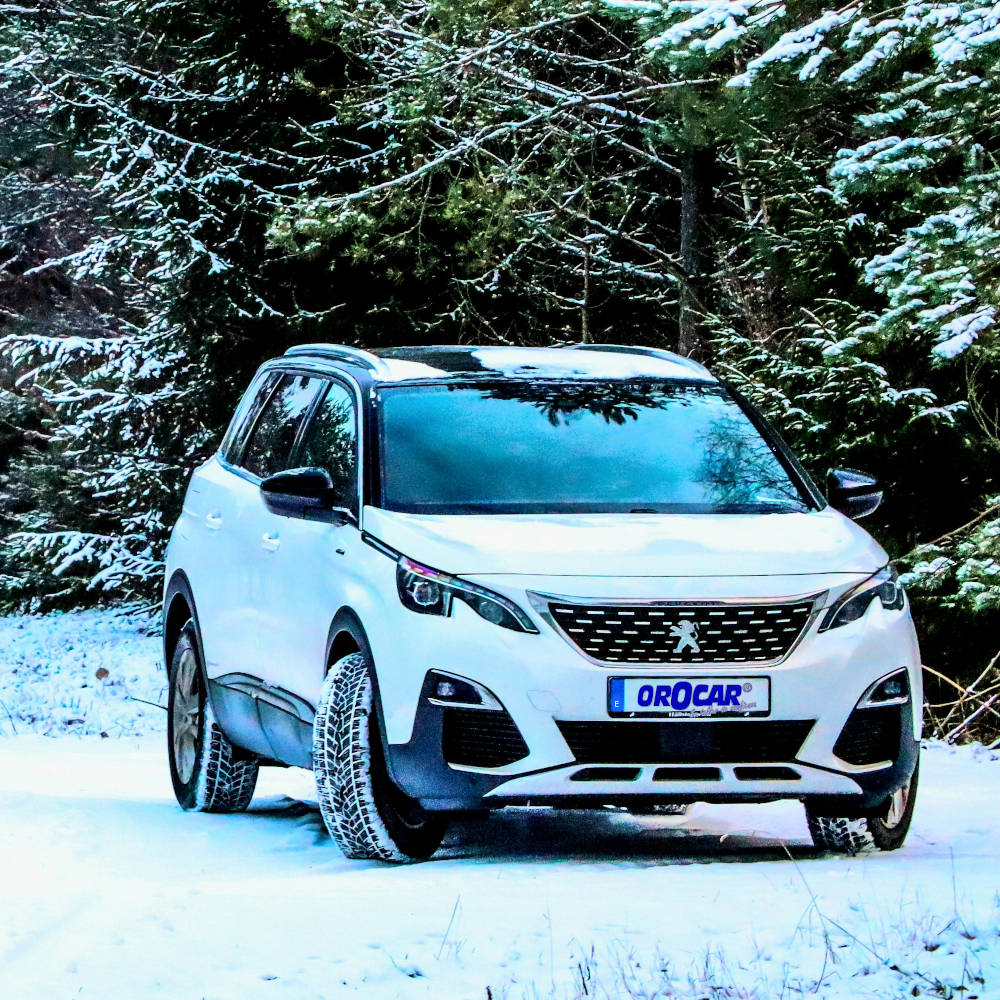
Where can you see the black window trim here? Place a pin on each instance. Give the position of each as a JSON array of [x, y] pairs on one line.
[[326, 374], [239, 468], [331, 379]]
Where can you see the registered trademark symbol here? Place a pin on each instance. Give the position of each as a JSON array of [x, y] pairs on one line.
[[747, 687]]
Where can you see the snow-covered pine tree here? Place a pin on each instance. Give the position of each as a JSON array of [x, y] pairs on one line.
[[922, 175], [501, 154], [900, 360], [931, 147], [45, 215], [172, 109]]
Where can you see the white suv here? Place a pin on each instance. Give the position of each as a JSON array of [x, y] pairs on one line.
[[453, 579]]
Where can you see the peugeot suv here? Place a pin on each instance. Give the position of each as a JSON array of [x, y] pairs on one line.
[[455, 579]]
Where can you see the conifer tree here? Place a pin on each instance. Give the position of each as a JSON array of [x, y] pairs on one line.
[[805, 196]]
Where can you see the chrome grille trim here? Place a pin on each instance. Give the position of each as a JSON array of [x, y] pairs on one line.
[[624, 632]]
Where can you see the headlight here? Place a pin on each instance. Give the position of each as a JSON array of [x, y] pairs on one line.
[[429, 592], [884, 585]]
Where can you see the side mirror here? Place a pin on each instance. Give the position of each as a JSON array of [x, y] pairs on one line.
[[853, 493], [306, 493]]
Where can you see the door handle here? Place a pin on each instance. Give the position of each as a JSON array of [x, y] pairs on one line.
[[270, 542], [213, 521]]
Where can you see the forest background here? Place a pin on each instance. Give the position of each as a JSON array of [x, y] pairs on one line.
[[805, 198]]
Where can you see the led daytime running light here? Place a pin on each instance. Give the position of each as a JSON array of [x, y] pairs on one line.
[[428, 591], [883, 585]]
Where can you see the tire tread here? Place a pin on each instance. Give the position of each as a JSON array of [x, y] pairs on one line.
[[342, 765], [863, 834], [841, 835], [223, 782]]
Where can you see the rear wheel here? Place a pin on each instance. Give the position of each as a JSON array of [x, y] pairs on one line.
[[883, 830], [207, 772], [366, 814]]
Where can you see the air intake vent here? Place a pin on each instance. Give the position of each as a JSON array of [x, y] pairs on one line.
[[683, 633], [477, 738], [871, 735], [766, 774], [685, 742]]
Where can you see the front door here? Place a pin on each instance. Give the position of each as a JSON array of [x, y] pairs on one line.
[[315, 562]]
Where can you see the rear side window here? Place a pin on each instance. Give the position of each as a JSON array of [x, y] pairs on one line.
[[332, 444], [274, 435], [246, 413]]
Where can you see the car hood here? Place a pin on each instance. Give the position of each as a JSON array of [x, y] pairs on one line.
[[631, 545]]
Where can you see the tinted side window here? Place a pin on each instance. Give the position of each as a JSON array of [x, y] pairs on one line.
[[246, 413], [332, 444], [271, 444]]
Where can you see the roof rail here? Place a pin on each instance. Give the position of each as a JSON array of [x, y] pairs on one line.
[[649, 352], [341, 352]]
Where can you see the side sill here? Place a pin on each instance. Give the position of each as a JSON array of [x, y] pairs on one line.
[[267, 721]]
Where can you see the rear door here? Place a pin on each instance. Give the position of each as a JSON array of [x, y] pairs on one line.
[[210, 517]]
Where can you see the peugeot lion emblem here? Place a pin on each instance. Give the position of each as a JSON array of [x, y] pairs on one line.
[[686, 634]]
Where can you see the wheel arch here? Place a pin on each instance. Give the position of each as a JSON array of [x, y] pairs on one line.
[[178, 608], [347, 635]]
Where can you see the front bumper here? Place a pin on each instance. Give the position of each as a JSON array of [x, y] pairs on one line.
[[422, 769], [544, 684]]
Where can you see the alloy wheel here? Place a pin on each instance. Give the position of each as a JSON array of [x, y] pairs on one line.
[[897, 806], [186, 716]]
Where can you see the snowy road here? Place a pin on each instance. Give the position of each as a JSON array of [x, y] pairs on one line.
[[109, 890]]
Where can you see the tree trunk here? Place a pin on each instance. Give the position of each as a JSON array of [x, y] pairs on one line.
[[697, 179]]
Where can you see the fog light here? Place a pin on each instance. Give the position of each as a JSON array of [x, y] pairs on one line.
[[445, 689], [891, 690]]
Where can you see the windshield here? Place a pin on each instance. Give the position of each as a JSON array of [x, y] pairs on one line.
[[519, 447]]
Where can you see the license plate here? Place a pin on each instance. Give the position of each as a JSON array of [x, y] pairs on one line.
[[689, 697]]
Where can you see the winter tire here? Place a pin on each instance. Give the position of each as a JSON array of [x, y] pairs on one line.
[[883, 830], [366, 814], [662, 809], [205, 768]]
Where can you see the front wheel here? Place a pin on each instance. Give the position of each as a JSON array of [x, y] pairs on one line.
[[883, 830], [366, 814]]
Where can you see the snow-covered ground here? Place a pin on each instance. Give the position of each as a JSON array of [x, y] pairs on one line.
[[80, 673], [109, 890]]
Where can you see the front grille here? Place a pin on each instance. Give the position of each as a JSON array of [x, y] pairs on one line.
[[683, 633], [871, 735], [685, 742], [478, 738]]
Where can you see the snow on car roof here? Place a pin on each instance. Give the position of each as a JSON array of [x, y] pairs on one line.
[[595, 361], [599, 361]]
